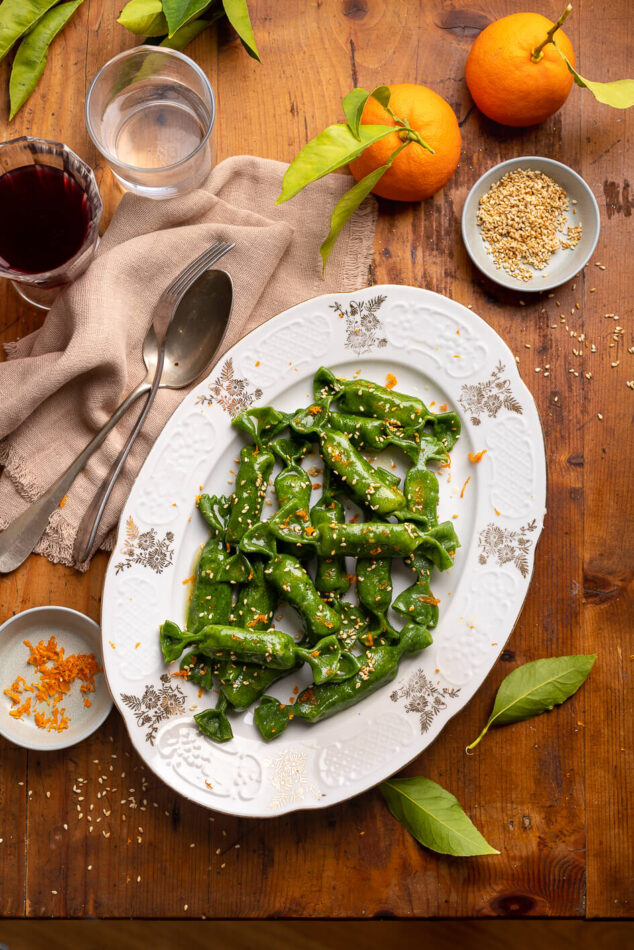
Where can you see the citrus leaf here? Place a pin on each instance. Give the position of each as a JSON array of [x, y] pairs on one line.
[[332, 148], [144, 17], [350, 201], [382, 95], [354, 104], [238, 16], [17, 17], [346, 206], [536, 687], [434, 817], [30, 60], [187, 33], [179, 12], [618, 94]]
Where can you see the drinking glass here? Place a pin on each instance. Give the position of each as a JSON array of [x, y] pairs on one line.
[[50, 209], [150, 111]]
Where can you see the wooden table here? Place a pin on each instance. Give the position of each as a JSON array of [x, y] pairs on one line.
[[554, 795]]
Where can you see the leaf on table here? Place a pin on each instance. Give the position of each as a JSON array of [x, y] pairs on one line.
[[238, 16], [618, 94], [17, 17], [30, 60], [180, 12], [144, 18], [332, 148], [536, 687], [434, 817], [354, 104], [187, 33]]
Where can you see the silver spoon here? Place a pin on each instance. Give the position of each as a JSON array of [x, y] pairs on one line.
[[191, 342], [20, 537]]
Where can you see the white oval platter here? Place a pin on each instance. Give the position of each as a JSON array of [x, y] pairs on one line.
[[436, 349]]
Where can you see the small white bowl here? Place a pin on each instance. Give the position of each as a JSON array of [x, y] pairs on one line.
[[565, 263], [77, 634]]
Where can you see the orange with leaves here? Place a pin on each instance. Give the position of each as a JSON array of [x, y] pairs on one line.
[[514, 72], [416, 172]]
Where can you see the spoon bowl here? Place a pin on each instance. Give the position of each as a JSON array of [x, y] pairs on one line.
[[197, 329]]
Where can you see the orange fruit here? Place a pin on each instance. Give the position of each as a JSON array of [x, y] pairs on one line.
[[415, 173], [503, 79]]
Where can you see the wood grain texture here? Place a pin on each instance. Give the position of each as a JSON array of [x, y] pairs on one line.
[[313, 935], [555, 794]]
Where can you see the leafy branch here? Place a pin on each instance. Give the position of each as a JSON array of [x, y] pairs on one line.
[[619, 94], [35, 24], [175, 23], [338, 145]]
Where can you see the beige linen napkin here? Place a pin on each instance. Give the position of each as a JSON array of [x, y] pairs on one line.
[[60, 384]]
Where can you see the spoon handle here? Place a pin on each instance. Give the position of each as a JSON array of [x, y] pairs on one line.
[[20, 537], [92, 517]]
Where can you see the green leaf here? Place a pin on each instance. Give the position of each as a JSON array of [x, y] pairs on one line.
[[382, 94], [536, 687], [434, 817], [350, 201], [346, 206], [332, 148], [30, 60], [17, 17], [187, 33], [179, 12], [238, 16], [144, 17], [354, 104], [618, 94]]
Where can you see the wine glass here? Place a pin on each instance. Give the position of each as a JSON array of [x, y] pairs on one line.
[[50, 209]]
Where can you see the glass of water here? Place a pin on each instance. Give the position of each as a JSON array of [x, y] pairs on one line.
[[150, 111]]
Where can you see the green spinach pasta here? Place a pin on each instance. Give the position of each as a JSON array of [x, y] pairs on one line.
[[249, 565]]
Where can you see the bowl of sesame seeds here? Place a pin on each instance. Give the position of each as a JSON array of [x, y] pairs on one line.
[[54, 692], [530, 224]]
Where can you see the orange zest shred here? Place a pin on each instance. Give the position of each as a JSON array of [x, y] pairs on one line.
[[476, 456], [464, 486], [390, 381], [56, 674]]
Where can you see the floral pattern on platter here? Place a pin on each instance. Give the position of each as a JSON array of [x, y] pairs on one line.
[[506, 545], [145, 548], [364, 329], [288, 776], [155, 705], [229, 391], [488, 397], [424, 697]]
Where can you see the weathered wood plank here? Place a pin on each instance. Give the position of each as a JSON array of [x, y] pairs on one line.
[[608, 582]]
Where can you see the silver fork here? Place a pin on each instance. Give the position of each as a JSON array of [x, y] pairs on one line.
[[20, 537]]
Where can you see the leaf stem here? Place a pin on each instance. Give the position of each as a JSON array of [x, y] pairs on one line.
[[469, 749], [538, 52], [413, 136]]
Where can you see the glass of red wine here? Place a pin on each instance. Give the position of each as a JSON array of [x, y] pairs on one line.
[[50, 209]]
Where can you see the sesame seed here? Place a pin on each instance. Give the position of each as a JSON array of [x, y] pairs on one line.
[[522, 218]]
